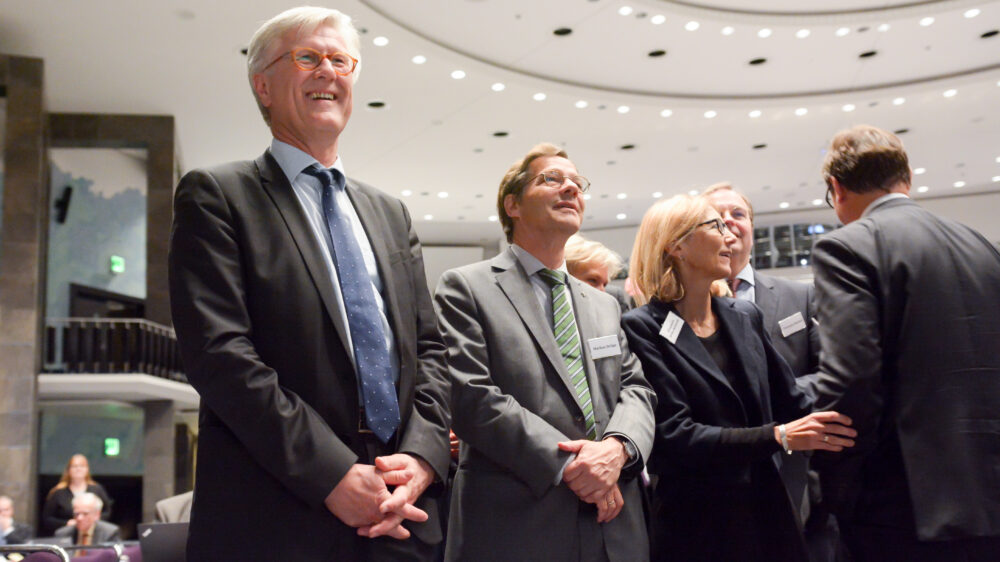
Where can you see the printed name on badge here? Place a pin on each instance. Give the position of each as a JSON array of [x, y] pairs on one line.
[[604, 347], [792, 324], [672, 327]]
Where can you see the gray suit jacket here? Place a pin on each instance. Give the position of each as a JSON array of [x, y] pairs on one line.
[[909, 312], [103, 532], [512, 404]]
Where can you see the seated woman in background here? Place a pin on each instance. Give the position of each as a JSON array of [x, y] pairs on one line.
[[721, 388], [76, 480]]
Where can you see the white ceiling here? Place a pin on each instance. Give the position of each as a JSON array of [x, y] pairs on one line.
[[436, 134]]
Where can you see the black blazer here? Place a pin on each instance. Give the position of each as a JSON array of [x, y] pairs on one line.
[[58, 507], [909, 311], [712, 487], [263, 342]]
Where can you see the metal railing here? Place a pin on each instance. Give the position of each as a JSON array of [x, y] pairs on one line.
[[111, 345]]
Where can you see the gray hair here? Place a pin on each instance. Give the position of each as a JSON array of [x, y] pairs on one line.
[[90, 498], [580, 251], [305, 18]]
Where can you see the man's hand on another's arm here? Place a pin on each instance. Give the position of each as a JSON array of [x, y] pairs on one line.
[[596, 468]]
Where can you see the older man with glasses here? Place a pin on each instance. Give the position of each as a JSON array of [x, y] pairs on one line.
[[304, 321]]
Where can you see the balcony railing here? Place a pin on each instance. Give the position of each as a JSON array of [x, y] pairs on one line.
[[111, 345]]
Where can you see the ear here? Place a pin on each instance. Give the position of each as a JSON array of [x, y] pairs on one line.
[[511, 206], [839, 191], [261, 86]]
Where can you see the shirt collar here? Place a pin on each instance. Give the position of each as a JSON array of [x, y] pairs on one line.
[[746, 275], [881, 200], [292, 160], [530, 263]]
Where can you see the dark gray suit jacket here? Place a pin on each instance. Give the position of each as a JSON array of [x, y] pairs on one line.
[[512, 404], [909, 312], [21, 534], [263, 342]]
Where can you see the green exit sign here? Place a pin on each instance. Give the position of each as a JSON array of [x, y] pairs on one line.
[[117, 265], [112, 447]]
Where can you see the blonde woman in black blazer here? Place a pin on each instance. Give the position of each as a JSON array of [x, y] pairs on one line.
[[722, 393]]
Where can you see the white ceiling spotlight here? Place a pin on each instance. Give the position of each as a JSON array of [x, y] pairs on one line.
[[728, 30], [428, 217], [841, 32], [926, 21], [380, 41], [848, 107], [801, 111], [623, 109], [539, 96], [666, 113], [959, 183], [406, 192], [923, 189], [458, 74], [764, 33], [949, 93], [620, 216], [754, 114], [443, 194], [971, 13], [710, 114], [883, 27], [621, 195], [657, 194], [899, 101], [498, 87], [784, 205], [625, 10], [817, 202], [918, 171], [995, 179], [586, 197], [492, 218], [658, 19], [693, 192], [419, 59], [802, 33], [692, 25], [580, 104]]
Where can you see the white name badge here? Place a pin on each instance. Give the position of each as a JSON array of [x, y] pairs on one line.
[[792, 324], [672, 327], [604, 347]]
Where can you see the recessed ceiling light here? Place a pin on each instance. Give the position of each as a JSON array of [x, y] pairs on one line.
[[492, 218], [754, 114], [500, 134], [658, 19], [380, 41], [666, 113], [847, 107], [950, 93], [923, 189], [620, 216], [498, 86], [801, 111], [692, 25], [623, 109], [990, 33], [458, 74], [817, 202], [996, 179], [626, 147], [657, 194], [919, 171], [428, 217], [580, 104], [419, 59], [883, 27], [710, 114], [406, 192], [728, 30], [802, 33], [867, 54], [899, 101], [784, 205], [926, 21], [764, 33], [693, 192], [587, 196], [656, 53], [842, 31], [443, 194], [625, 10], [621, 195], [539, 96], [562, 31], [959, 183], [758, 61], [998, 159], [760, 146], [971, 13]]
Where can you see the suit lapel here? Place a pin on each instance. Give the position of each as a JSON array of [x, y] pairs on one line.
[[515, 285], [737, 328], [276, 185], [587, 322], [766, 296]]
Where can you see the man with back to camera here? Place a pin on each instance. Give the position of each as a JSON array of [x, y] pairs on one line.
[[304, 322], [552, 408], [907, 306], [788, 312], [11, 531], [89, 529]]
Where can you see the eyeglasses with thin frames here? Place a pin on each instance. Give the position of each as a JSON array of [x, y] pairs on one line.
[[829, 192], [308, 59], [555, 178]]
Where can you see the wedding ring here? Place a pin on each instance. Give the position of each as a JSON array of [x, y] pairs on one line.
[[826, 438]]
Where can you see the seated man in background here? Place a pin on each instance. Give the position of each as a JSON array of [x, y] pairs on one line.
[[89, 528], [12, 532]]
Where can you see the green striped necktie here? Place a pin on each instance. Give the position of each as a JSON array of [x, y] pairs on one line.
[[568, 340]]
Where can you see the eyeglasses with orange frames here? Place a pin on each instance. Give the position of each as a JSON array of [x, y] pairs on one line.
[[308, 59]]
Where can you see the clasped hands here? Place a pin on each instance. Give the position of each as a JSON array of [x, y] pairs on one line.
[[593, 474], [362, 498]]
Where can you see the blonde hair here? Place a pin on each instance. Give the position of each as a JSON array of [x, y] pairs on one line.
[[304, 18], [517, 178], [580, 251]]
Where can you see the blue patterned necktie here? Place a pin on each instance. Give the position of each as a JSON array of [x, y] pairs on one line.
[[364, 321]]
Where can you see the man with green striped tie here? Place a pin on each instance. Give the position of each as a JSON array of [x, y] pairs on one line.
[[553, 411]]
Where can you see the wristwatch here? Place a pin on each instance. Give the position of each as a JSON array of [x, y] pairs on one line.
[[630, 450]]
